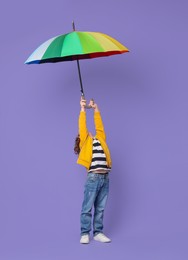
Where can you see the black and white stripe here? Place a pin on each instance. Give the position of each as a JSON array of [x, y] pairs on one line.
[[98, 158]]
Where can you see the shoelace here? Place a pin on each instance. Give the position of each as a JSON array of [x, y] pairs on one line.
[[84, 236], [102, 235]]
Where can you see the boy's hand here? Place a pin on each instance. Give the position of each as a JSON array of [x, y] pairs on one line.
[[82, 103], [93, 105]]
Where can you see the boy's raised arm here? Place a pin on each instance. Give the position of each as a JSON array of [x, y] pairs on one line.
[[82, 124], [99, 127]]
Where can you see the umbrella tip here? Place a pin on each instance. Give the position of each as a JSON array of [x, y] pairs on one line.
[[73, 25]]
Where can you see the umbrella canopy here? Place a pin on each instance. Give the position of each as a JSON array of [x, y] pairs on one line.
[[76, 45]]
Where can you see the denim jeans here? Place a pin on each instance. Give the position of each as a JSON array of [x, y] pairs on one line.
[[95, 194]]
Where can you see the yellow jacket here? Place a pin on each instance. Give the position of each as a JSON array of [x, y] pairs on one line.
[[86, 141]]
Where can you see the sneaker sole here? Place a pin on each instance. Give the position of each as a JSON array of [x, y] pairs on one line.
[[102, 241]]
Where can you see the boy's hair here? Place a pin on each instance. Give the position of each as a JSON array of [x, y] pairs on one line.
[[77, 145]]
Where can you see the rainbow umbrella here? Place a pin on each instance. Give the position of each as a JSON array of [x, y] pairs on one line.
[[76, 45]]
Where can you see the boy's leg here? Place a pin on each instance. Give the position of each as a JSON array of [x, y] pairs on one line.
[[90, 193], [100, 203]]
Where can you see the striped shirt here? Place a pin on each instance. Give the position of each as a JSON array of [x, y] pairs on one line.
[[98, 161]]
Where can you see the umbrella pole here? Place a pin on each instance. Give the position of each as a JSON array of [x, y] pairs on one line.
[[79, 73], [82, 90], [78, 65]]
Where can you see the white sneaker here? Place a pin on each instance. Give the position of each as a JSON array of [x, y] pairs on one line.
[[84, 239], [102, 238]]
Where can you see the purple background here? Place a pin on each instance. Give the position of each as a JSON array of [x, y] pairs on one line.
[[143, 100]]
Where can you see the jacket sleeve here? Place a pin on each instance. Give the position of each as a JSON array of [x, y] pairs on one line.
[[83, 132], [99, 127]]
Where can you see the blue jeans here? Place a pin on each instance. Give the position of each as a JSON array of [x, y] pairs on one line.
[[95, 194]]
